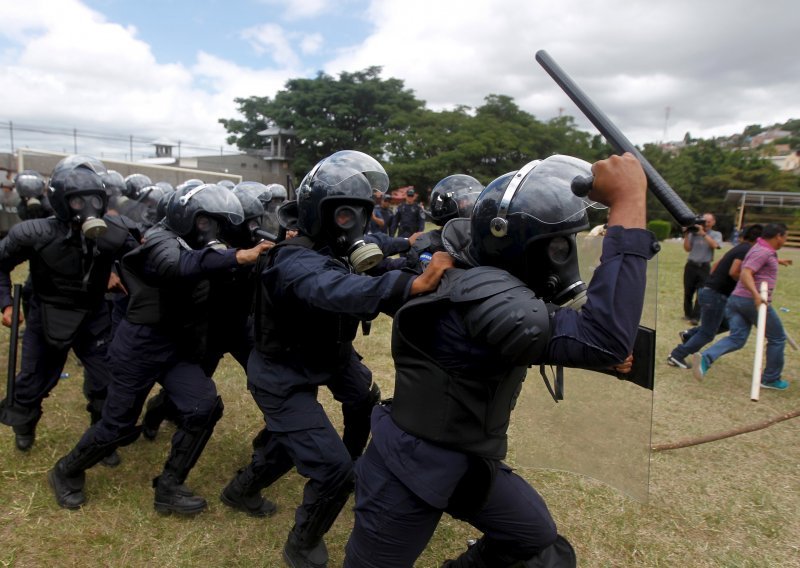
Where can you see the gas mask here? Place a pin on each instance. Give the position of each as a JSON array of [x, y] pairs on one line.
[[348, 238], [35, 207], [88, 210], [553, 271], [207, 233]]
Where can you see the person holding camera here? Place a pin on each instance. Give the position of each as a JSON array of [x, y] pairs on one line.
[[700, 241]]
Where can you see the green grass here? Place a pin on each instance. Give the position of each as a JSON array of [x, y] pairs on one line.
[[731, 503]]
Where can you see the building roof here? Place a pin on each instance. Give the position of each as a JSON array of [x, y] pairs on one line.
[[274, 131], [763, 198], [164, 142]]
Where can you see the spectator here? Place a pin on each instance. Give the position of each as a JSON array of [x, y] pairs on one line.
[[760, 265], [712, 298], [699, 241]]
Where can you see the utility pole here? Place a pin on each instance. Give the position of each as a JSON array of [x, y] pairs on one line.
[[666, 122]]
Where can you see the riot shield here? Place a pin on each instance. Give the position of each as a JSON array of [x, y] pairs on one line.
[[602, 426]]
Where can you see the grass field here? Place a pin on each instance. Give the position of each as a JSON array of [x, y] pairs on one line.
[[732, 503]]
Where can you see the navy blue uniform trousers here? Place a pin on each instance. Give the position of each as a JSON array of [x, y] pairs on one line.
[[42, 363]]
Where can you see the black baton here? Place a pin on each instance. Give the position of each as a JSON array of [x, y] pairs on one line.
[[581, 185], [12, 345]]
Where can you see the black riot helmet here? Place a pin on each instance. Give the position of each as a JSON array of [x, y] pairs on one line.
[[525, 222], [161, 208], [114, 183], [278, 192], [250, 231], [201, 213], [257, 190], [148, 202], [189, 183], [226, 183], [77, 195], [29, 184], [74, 160], [134, 184], [334, 205], [452, 197], [278, 197]]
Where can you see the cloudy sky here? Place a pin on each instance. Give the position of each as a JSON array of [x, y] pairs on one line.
[[170, 68]]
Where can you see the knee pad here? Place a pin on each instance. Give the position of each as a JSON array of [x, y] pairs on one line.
[[202, 419]]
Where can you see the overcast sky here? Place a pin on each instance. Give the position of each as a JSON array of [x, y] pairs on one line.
[[168, 68]]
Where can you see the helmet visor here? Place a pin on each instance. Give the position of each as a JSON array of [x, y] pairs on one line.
[[210, 199], [339, 168], [545, 187]]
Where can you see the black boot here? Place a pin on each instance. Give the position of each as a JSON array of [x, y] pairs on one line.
[[244, 493], [490, 553], [174, 497], [23, 421], [67, 484], [300, 551], [67, 478], [305, 547], [24, 436]]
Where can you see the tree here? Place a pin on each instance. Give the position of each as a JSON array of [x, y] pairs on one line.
[[353, 112]]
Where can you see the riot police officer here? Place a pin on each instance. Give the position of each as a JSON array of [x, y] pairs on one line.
[[33, 204], [277, 196], [163, 339], [454, 196], [462, 352], [409, 217], [30, 186], [134, 184], [308, 306], [71, 255], [386, 213], [230, 303]]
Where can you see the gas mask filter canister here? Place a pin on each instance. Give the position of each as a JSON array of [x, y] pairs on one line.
[[349, 223], [88, 211]]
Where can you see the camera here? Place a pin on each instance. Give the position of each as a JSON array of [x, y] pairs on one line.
[[693, 228]]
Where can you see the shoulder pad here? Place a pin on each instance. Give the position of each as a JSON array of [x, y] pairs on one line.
[[160, 250], [116, 234], [482, 282], [34, 232], [514, 320]]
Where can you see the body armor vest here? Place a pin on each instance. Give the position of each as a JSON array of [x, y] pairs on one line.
[[176, 306], [70, 270], [319, 339], [70, 274], [467, 411]]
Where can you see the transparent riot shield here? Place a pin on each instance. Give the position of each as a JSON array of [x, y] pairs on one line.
[[602, 426]]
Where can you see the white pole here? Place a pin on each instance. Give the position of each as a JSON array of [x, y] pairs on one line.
[[761, 330]]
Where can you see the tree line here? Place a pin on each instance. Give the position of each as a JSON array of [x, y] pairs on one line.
[[419, 146]]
